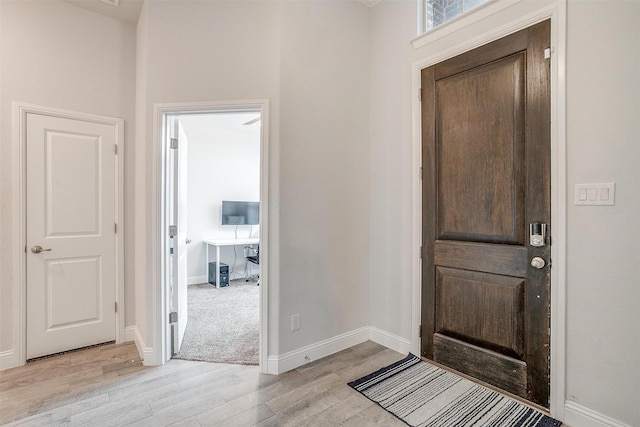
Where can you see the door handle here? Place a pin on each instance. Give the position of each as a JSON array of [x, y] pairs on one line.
[[188, 241], [537, 262], [37, 249]]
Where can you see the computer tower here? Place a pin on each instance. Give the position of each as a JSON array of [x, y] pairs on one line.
[[224, 274]]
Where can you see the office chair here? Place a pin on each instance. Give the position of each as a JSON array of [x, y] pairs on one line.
[[252, 255]]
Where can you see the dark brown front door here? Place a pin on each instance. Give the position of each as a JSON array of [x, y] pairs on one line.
[[486, 161]]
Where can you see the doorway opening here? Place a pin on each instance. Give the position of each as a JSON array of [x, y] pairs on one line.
[[213, 297]]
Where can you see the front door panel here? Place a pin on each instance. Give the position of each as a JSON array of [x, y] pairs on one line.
[[486, 159]]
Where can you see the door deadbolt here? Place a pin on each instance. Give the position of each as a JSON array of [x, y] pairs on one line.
[[537, 234], [537, 262]]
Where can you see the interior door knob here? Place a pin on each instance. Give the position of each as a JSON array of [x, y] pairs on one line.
[[537, 262], [37, 249]]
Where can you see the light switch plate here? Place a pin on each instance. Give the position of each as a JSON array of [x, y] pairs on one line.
[[601, 194]]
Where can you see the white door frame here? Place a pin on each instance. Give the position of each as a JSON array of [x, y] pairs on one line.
[[556, 12], [158, 292], [21, 110]]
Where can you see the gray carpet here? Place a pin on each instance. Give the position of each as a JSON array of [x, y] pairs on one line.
[[223, 324]]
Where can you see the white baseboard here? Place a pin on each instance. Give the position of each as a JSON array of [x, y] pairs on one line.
[[9, 359], [146, 353], [196, 280], [301, 356], [391, 341], [579, 416], [129, 333]]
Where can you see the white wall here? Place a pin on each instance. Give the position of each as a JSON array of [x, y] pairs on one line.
[[224, 51], [603, 253], [392, 27], [317, 82], [141, 228], [58, 55], [223, 164], [603, 265], [324, 193]]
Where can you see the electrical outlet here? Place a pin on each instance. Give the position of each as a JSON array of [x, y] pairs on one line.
[[295, 322]]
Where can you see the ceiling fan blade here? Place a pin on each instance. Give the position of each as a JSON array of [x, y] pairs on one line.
[[252, 121]]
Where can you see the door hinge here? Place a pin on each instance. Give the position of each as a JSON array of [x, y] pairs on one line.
[[420, 252], [116, 306], [421, 173], [547, 53], [174, 143], [420, 331], [173, 317], [115, 149], [420, 94], [115, 228], [173, 230]]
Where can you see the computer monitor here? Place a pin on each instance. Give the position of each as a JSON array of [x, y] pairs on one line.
[[240, 213]]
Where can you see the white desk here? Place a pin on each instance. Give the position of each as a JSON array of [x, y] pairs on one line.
[[217, 243]]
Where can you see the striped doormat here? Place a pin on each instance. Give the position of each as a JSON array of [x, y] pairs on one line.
[[421, 394]]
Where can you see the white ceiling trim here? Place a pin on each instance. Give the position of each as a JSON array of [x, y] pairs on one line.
[[370, 3], [122, 10]]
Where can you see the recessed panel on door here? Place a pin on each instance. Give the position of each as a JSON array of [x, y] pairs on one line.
[[480, 145], [70, 281], [73, 187], [484, 308]]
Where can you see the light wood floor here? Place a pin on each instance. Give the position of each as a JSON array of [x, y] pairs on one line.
[[108, 386]]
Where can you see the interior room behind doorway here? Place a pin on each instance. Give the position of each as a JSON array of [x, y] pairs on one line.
[[223, 164]]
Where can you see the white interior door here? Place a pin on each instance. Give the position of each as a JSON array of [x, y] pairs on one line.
[[177, 216], [183, 239], [71, 245]]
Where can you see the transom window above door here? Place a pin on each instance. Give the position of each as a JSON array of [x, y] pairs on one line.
[[440, 11], [439, 18]]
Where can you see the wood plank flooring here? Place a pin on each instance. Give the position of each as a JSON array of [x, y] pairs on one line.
[[108, 386]]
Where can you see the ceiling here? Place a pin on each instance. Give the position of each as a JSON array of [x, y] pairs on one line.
[[127, 10]]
